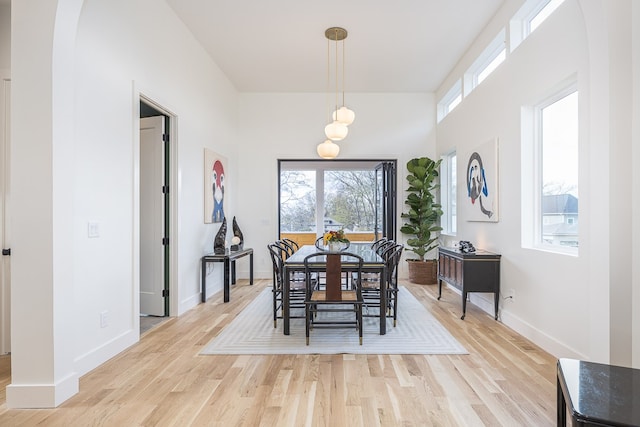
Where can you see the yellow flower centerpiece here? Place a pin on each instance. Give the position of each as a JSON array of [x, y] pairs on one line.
[[335, 240]]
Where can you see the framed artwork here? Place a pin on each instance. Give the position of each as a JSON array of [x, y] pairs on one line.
[[215, 169], [481, 180]]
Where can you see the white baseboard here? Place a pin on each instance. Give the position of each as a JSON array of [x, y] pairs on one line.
[[96, 357], [26, 396], [509, 319]]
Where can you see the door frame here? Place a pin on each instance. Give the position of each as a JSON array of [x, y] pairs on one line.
[[5, 240], [173, 203]]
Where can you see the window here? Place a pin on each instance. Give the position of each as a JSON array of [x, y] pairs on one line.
[[450, 100], [487, 62], [556, 130], [320, 196], [529, 17], [448, 192]]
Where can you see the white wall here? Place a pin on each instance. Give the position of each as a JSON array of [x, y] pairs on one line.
[[5, 37], [81, 150], [571, 306], [290, 126]]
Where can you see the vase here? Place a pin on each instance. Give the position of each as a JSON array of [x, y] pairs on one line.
[[335, 246]]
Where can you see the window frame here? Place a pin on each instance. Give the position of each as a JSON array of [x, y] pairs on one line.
[[520, 24], [496, 48], [532, 164], [448, 198], [448, 101]]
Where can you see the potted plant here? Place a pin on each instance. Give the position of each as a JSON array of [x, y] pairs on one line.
[[422, 218]]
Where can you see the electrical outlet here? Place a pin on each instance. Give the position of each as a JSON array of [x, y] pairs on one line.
[[511, 294], [104, 319]]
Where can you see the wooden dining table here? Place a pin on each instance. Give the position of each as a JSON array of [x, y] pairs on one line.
[[373, 263]]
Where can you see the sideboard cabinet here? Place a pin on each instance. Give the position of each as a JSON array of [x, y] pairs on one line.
[[469, 272]]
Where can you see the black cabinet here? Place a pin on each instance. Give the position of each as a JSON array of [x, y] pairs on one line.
[[470, 272]]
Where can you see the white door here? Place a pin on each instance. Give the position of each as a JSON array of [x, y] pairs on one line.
[[151, 216], [5, 260]]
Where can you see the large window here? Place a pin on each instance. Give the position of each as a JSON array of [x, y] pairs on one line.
[[550, 155], [558, 141], [319, 196]]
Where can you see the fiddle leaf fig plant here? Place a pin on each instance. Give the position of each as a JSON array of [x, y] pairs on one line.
[[423, 216]]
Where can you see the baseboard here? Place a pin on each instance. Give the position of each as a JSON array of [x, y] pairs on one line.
[[29, 396], [96, 357], [538, 337]]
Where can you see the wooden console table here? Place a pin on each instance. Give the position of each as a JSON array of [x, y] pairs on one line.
[[470, 272], [597, 394], [229, 259]]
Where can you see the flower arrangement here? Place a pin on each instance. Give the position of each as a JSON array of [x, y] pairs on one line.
[[335, 237]]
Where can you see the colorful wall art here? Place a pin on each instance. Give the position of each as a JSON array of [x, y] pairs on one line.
[[215, 169], [481, 179]]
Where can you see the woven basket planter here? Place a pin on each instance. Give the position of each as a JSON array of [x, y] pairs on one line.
[[423, 272]]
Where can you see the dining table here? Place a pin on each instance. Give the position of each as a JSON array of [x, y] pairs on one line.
[[372, 263]]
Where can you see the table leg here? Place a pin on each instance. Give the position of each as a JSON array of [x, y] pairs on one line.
[[251, 268], [285, 301], [226, 279], [496, 297], [464, 304], [233, 272], [383, 301], [561, 405], [439, 289], [203, 284]]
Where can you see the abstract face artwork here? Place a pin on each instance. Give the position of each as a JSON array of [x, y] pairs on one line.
[[215, 186], [217, 182], [477, 182], [481, 176]]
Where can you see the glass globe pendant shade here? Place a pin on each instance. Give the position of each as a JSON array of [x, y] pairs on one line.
[[328, 150], [336, 131], [344, 116]]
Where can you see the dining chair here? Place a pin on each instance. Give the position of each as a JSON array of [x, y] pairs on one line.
[[319, 244], [372, 289], [321, 303], [378, 242], [297, 287], [292, 243], [287, 248]]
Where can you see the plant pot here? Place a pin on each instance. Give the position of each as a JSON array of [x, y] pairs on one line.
[[423, 272]]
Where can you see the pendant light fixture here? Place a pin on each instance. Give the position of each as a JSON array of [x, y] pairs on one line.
[[337, 130], [328, 149]]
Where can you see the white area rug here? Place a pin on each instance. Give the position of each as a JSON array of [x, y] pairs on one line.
[[417, 332]]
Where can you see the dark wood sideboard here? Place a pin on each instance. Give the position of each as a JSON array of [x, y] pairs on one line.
[[470, 272]]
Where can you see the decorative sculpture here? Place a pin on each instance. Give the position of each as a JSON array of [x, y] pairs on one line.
[[219, 241], [238, 238]]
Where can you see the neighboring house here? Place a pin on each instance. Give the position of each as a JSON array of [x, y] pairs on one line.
[[332, 225], [560, 219]]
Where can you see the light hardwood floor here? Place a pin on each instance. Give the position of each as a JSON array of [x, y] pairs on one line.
[[162, 381]]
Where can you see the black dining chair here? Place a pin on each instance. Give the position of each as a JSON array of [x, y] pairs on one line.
[[372, 289], [291, 243], [323, 304], [297, 286]]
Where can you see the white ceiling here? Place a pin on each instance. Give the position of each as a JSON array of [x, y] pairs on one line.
[[279, 45]]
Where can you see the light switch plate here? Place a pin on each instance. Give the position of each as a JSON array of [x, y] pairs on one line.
[[93, 229]]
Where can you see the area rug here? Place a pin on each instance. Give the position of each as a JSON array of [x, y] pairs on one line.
[[417, 332]]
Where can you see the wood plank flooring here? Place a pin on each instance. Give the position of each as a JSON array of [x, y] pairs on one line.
[[162, 381]]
